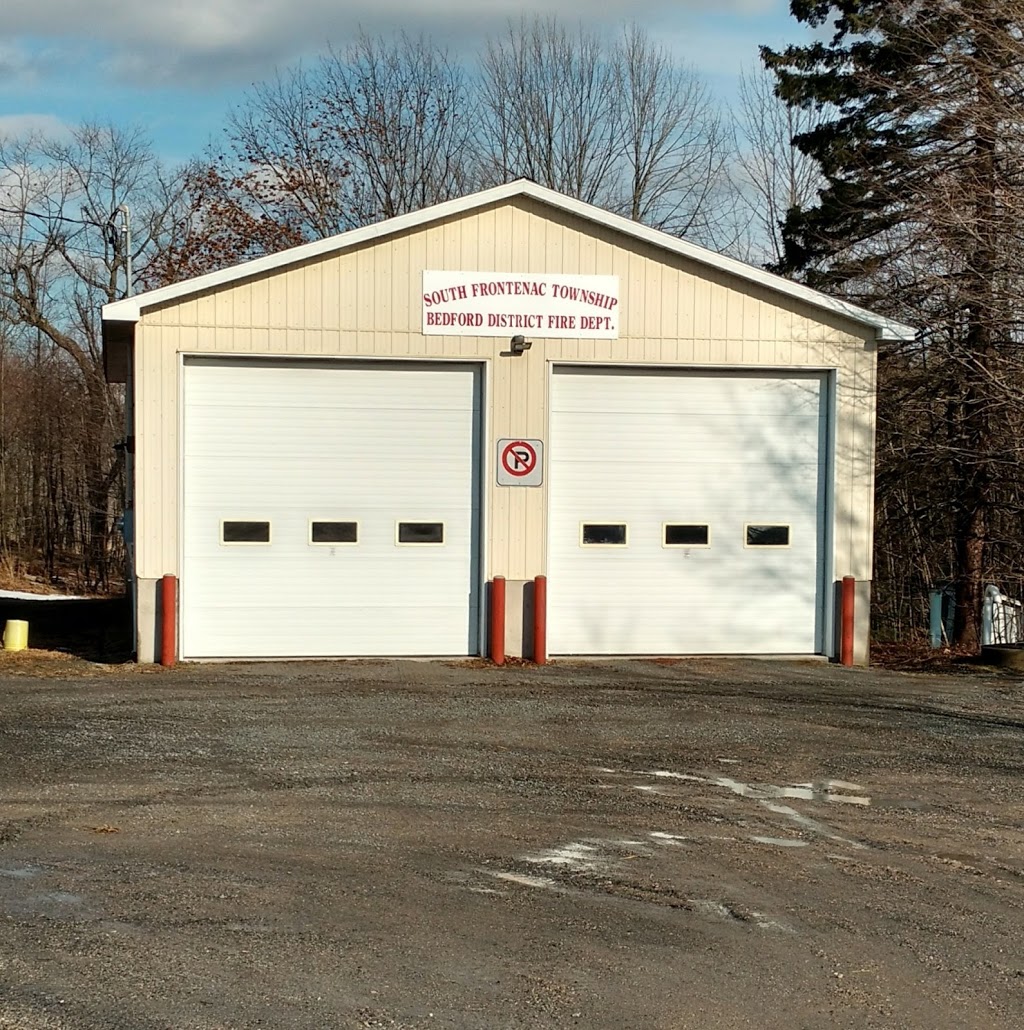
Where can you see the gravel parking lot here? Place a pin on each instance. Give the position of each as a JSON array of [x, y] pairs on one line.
[[639, 844]]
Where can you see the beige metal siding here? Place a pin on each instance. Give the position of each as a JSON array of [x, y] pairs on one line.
[[365, 302]]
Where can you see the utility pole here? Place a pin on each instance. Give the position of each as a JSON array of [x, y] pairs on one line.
[[125, 231], [128, 517]]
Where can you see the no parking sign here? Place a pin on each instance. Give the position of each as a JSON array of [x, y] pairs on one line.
[[520, 462]]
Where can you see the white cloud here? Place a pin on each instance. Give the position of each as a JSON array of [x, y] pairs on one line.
[[200, 42], [24, 124], [15, 64]]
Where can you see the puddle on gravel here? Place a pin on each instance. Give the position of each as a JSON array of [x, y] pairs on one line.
[[59, 898], [820, 828], [767, 923], [728, 913], [20, 872], [19, 895], [53, 904], [713, 908]]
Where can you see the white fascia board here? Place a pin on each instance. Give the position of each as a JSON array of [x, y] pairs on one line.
[[130, 309], [886, 328]]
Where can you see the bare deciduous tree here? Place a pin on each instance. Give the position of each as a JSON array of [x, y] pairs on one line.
[[285, 160], [675, 147], [550, 101], [619, 125], [62, 255], [774, 177], [405, 122]]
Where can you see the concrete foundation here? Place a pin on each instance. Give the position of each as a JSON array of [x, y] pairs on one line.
[[147, 641], [518, 620]]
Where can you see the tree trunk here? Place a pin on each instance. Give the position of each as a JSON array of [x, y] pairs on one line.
[[971, 535]]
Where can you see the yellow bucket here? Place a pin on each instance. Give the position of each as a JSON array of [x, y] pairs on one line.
[[15, 635]]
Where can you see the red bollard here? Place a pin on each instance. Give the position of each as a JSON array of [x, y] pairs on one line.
[[540, 620], [168, 620], [498, 620], [846, 621]]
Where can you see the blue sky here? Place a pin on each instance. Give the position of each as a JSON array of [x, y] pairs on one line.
[[177, 66]]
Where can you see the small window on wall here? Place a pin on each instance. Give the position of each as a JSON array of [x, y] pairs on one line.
[[421, 532], [244, 532], [762, 535], [687, 534], [603, 534], [333, 532]]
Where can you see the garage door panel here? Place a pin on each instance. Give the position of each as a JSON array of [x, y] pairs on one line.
[[673, 587], [291, 525], [735, 395], [257, 633], [701, 449], [347, 436], [655, 440], [289, 443], [697, 630], [708, 486], [336, 492], [649, 508]]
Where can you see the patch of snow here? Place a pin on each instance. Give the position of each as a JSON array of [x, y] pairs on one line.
[[542, 882], [578, 856], [667, 838], [782, 842], [21, 595]]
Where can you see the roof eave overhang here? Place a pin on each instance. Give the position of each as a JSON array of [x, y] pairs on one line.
[[130, 310]]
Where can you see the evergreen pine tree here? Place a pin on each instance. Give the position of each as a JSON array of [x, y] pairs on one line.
[[922, 216]]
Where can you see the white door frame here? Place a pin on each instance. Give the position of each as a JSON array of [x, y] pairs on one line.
[[825, 630], [480, 458]]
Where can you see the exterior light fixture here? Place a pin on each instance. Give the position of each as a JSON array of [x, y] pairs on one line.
[[520, 344]]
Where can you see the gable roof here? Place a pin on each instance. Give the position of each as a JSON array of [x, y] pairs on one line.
[[130, 309]]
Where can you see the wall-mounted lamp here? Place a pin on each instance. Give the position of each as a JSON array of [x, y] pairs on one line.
[[520, 344]]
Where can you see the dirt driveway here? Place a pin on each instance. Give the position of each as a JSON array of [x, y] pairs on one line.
[[421, 845]]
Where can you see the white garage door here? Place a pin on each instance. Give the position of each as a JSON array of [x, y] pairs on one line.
[[330, 509], [687, 513]]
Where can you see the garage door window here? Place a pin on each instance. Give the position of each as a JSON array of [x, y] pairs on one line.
[[603, 534], [686, 534], [237, 531], [421, 532], [762, 535], [333, 533]]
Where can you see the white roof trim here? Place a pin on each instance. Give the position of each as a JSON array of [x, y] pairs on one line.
[[130, 309]]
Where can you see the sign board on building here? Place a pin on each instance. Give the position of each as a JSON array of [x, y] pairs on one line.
[[520, 462], [519, 303]]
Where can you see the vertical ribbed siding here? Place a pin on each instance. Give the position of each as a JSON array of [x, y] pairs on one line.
[[366, 303]]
